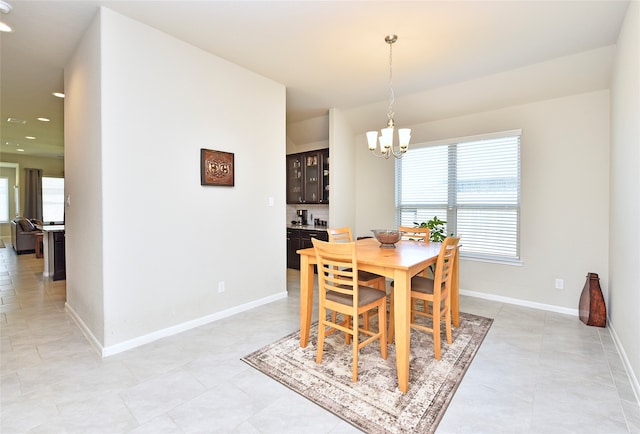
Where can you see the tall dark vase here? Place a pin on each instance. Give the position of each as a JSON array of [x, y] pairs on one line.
[[592, 309]]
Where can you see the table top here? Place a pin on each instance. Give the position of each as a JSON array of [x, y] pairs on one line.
[[407, 253], [51, 228]]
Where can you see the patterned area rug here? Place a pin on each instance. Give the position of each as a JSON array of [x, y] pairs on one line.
[[374, 404]]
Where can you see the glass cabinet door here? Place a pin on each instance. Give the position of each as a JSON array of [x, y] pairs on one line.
[[324, 185], [295, 179], [312, 178], [308, 177]]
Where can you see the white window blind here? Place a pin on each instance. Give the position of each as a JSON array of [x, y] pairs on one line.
[[4, 200], [473, 184]]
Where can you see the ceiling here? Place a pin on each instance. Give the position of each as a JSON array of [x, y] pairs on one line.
[[327, 53]]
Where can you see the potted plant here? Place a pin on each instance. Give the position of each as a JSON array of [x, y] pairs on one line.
[[436, 229]]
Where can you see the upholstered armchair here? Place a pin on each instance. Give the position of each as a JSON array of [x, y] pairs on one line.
[[23, 236]]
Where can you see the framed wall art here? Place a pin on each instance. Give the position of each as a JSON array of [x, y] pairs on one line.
[[216, 168]]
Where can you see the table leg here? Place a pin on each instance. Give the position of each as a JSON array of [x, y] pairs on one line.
[[402, 304], [306, 298], [455, 293]]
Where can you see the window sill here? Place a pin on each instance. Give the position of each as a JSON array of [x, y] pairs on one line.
[[512, 263]]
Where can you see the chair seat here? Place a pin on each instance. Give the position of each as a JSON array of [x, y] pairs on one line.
[[366, 295], [422, 284], [365, 276]]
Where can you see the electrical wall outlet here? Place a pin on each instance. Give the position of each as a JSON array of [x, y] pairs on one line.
[[221, 286], [559, 283]]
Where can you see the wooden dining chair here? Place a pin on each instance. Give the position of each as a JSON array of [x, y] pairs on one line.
[[416, 234], [343, 235], [340, 292], [422, 290], [413, 233], [437, 293]]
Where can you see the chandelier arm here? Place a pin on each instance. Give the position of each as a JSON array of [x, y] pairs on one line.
[[400, 153], [380, 154], [386, 154]]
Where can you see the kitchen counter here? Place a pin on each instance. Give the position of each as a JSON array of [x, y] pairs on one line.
[[307, 227]]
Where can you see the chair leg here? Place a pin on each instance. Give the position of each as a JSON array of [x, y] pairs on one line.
[[447, 318], [436, 331], [334, 318], [380, 284], [356, 344], [321, 331], [348, 324]]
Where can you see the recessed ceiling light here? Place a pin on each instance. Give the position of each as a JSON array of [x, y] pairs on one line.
[[20, 150], [58, 94], [44, 119], [16, 121], [5, 8], [29, 137]]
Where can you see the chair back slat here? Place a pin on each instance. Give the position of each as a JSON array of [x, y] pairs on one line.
[[417, 234], [337, 268], [444, 264], [340, 235]]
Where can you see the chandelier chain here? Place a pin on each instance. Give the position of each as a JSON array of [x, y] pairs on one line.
[[390, 113]]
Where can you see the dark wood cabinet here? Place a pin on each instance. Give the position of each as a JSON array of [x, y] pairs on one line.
[[308, 177], [301, 239], [59, 260], [293, 245]]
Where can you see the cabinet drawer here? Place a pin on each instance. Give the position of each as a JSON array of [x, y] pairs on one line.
[[321, 235]]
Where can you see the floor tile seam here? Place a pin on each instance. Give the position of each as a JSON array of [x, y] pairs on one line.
[[168, 412], [613, 384]]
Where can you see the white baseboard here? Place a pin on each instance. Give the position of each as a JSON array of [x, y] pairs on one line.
[[519, 302], [95, 343], [625, 361], [169, 331], [574, 312]]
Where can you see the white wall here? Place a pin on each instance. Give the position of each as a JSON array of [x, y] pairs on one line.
[[308, 135], [166, 240], [342, 205], [375, 190], [83, 185], [624, 277], [565, 194]]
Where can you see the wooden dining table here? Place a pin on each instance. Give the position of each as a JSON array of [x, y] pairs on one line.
[[401, 263]]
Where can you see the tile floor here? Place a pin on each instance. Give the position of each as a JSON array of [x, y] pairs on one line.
[[536, 372]]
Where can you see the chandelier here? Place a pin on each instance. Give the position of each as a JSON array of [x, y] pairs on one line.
[[387, 147]]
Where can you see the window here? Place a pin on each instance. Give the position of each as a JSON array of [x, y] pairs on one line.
[[52, 199], [473, 184], [4, 200]]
